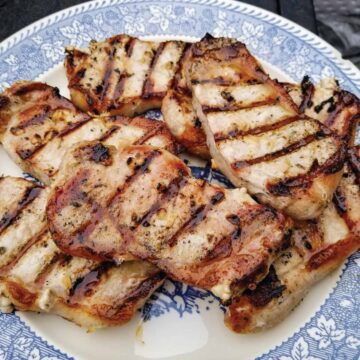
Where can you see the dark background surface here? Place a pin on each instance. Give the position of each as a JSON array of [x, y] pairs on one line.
[[337, 21]]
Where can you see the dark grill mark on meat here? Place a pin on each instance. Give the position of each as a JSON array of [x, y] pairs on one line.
[[138, 171], [46, 270], [74, 126], [119, 88], [284, 151], [129, 46], [21, 252], [197, 216], [332, 165], [268, 289], [307, 91], [86, 286], [35, 120], [354, 162], [109, 67], [170, 192], [156, 130], [148, 86], [120, 85], [9, 217], [28, 88], [333, 252], [235, 220], [238, 106], [109, 133], [180, 68], [256, 131], [330, 101], [220, 251], [4, 101], [339, 199]]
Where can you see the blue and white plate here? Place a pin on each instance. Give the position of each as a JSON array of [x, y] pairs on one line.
[[181, 322]]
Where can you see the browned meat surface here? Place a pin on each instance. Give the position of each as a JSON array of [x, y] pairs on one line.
[[36, 276], [146, 202], [256, 134], [319, 247], [40, 125]]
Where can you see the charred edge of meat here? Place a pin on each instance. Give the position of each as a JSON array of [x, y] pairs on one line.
[[284, 151], [125, 311], [24, 89], [287, 186], [287, 240], [9, 217], [86, 285], [268, 289], [178, 77], [354, 162], [307, 91], [4, 102], [339, 199], [229, 48], [146, 286], [346, 100], [71, 54], [20, 294], [333, 252]]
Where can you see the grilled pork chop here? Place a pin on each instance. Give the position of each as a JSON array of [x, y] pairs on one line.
[[36, 276], [39, 126], [256, 134], [181, 118], [122, 75], [319, 247], [146, 202]]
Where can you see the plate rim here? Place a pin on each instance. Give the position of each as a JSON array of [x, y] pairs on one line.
[[318, 44]]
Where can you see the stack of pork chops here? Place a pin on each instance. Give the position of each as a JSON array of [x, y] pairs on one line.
[[116, 211]]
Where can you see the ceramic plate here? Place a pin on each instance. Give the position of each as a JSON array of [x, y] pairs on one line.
[[181, 322]]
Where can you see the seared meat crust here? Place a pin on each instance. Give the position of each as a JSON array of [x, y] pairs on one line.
[[319, 247], [36, 276], [122, 75], [40, 125], [152, 208], [256, 134]]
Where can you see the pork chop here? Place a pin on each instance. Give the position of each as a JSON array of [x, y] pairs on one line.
[[39, 125], [36, 276], [122, 74], [146, 202], [319, 247], [256, 134]]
